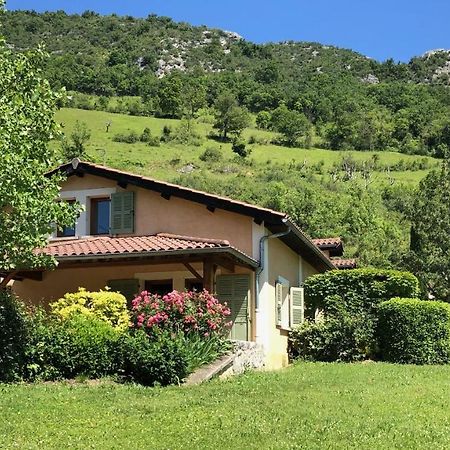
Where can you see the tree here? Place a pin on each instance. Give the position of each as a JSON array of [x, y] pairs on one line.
[[79, 137], [194, 97], [429, 256], [293, 125], [230, 118], [170, 96], [27, 196]]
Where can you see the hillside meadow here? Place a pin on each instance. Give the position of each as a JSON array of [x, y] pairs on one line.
[[166, 162]]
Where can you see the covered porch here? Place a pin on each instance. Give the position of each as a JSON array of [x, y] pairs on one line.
[[158, 263]]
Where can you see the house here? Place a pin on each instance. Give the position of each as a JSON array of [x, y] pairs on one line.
[[137, 233]]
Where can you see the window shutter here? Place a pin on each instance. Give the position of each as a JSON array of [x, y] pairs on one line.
[[122, 212], [297, 306], [278, 303], [128, 288], [234, 290]]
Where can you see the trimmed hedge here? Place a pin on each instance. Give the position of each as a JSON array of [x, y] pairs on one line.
[[349, 300], [359, 289], [413, 331]]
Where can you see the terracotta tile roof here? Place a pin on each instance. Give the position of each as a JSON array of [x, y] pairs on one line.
[[344, 263], [106, 245], [327, 243]]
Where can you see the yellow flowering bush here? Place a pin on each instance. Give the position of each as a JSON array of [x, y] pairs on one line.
[[110, 307]]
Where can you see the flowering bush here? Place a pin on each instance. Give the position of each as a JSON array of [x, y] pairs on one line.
[[180, 312], [107, 306]]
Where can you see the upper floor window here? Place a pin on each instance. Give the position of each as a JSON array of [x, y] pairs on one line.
[[100, 215], [67, 231]]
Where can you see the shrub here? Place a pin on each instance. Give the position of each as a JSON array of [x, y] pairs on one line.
[[239, 147], [212, 155], [359, 289], [348, 301], [110, 307], [129, 138], [180, 312], [161, 361], [338, 337], [148, 138], [414, 331], [80, 345], [13, 337]]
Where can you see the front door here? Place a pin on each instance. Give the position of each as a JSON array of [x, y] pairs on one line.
[[235, 291]]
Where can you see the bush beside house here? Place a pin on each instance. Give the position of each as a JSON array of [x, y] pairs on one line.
[[84, 336], [341, 311], [414, 331]]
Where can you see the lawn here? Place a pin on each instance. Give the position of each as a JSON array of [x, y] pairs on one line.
[[159, 161], [309, 405]]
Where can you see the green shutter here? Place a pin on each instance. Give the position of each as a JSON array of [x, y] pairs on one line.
[[297, 306], [128, 288], [234, 290], [122, 213]]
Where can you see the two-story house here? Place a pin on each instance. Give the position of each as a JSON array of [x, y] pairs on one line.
[[137, 233]]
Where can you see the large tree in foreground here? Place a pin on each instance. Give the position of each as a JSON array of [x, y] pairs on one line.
[[429, 257], [28, 206]]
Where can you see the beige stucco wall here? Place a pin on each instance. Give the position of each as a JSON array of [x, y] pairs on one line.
[[284, 262], [154, 214], [60, 281]]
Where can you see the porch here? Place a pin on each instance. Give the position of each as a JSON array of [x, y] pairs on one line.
[[159, 264]]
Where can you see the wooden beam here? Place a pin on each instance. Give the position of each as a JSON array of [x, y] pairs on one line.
[[122, 184], [208, 275], [7, 279], [211, 208], [225, 263], [193, 271], [165, 196]]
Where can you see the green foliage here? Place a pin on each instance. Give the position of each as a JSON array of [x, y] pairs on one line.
[[76, 148], [80, 345], [27, 206], [230, 118], [347, 303], [355, 291], [13, 337], [429, 256], [413, 331], [149, 362], [338, 337], [211, 155], [129, 138], [106, 306], [293, 125], [240, 148]]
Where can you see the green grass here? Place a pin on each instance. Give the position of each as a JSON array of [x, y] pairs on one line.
[[164, 162], [310, 405]]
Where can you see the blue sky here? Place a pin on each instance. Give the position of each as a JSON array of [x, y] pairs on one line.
[[378, 28]]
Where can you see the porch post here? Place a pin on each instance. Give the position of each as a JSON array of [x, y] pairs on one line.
[[209, 271]]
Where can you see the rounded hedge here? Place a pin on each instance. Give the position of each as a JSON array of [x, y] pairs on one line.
[[359, 289], [412, 331]]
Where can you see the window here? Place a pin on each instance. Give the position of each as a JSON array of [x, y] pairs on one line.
[[100, 215], [160, 287], [67, 231]]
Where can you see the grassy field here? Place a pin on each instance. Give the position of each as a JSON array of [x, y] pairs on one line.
[[164, 162], [310, 405]]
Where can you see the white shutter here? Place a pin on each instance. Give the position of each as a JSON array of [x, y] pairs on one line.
[[297, 308], [278, 303]]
